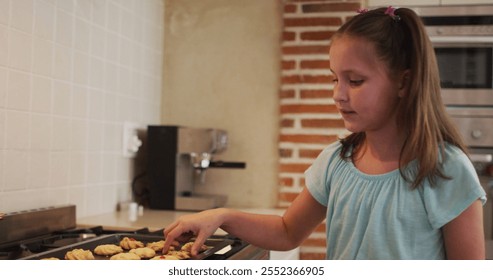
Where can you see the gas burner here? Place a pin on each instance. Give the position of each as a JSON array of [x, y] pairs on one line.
[[14, 253]]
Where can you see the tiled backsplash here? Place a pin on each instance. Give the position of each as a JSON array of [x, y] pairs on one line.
[[71, 73]]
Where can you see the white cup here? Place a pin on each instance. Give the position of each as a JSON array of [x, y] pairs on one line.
[[133, 211]]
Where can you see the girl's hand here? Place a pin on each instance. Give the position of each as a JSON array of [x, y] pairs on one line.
[[200, 225]]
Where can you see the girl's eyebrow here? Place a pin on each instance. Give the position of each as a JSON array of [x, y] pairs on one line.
[[348, 71]]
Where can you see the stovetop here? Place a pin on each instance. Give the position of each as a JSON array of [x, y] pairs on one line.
[[57, 239]]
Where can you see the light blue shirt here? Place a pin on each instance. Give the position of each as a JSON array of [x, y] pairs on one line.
[[380, 216]]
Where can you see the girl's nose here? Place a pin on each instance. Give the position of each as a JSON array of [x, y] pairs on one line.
[[340, 93]]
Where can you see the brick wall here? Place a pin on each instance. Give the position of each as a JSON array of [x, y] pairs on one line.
[[309, 119]]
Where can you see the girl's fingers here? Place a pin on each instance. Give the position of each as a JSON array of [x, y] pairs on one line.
[[199, 241]]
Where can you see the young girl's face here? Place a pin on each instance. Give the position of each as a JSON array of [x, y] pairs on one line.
[[364, 93]]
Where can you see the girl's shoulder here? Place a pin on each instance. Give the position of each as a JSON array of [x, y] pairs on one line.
[[453, 154], [333, 147], [325, 159], [450, 196], [453, 149], [330, 152]]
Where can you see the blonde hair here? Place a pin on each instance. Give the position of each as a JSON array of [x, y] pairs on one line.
[[402, 43]]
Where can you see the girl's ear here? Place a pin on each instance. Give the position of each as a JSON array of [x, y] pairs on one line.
[[404, 82]]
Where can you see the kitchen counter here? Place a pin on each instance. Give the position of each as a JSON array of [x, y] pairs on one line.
[[152, 219], [120, 220]]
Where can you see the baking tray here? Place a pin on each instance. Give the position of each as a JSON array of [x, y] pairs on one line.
[[214, 244]]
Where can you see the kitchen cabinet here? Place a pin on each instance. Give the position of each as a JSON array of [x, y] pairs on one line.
[[378, 3]]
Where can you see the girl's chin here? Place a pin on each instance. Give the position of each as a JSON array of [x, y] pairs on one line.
[[352, 128]]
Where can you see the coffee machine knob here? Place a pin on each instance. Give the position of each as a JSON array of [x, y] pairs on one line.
[[476, 134]]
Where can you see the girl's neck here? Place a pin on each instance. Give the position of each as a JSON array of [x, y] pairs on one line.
[[384, 148], [379, 154]]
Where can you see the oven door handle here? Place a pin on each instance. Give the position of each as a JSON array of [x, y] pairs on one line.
[[483, 158], [462, 39]]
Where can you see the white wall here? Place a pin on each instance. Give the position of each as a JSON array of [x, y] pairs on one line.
[[222, 60], [71, 72]]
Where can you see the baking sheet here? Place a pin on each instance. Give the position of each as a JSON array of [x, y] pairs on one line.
[[214, 244]]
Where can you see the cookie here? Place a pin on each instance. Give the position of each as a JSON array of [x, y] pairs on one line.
[[125, 256], [156, 246], [187, 247], [144, 253], [130, 243], [107, 250], [79, 254], [181, 255]]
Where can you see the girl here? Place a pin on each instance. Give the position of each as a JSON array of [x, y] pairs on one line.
[[400, 186]]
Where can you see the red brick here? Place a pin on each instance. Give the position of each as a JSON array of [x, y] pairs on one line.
[[315, 242], [286, 182], [308, 108], [285, 153], [316, 35], [286, 94], [315, 30], [307, 79], [312, 256], [312, 21], [288, 36], [316, 93], [293, 50], [322, 123], [315, 64], [309, 153], [287, 123], [293, 167], [288, 64], [290, 8], [330, 7]]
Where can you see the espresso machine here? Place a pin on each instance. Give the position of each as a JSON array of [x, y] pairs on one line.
[[178, 159]]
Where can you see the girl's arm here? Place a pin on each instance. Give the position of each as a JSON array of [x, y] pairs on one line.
[[267, 231], [464, 235]]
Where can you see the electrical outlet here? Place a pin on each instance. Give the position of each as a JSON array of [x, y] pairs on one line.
[[131, 141]]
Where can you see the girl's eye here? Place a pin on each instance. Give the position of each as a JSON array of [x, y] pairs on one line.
[[356, 82]]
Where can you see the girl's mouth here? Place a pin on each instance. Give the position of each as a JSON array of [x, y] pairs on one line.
[[346, 112]]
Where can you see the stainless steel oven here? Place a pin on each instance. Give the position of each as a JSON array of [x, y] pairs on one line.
[[462, 37], [463, 41]]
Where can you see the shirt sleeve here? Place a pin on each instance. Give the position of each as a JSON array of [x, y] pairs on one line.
[[450, 197], [317, 176]]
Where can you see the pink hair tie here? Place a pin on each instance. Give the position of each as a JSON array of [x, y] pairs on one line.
[[391, 12]]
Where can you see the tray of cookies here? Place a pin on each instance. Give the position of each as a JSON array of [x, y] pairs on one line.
[[129, 247]]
